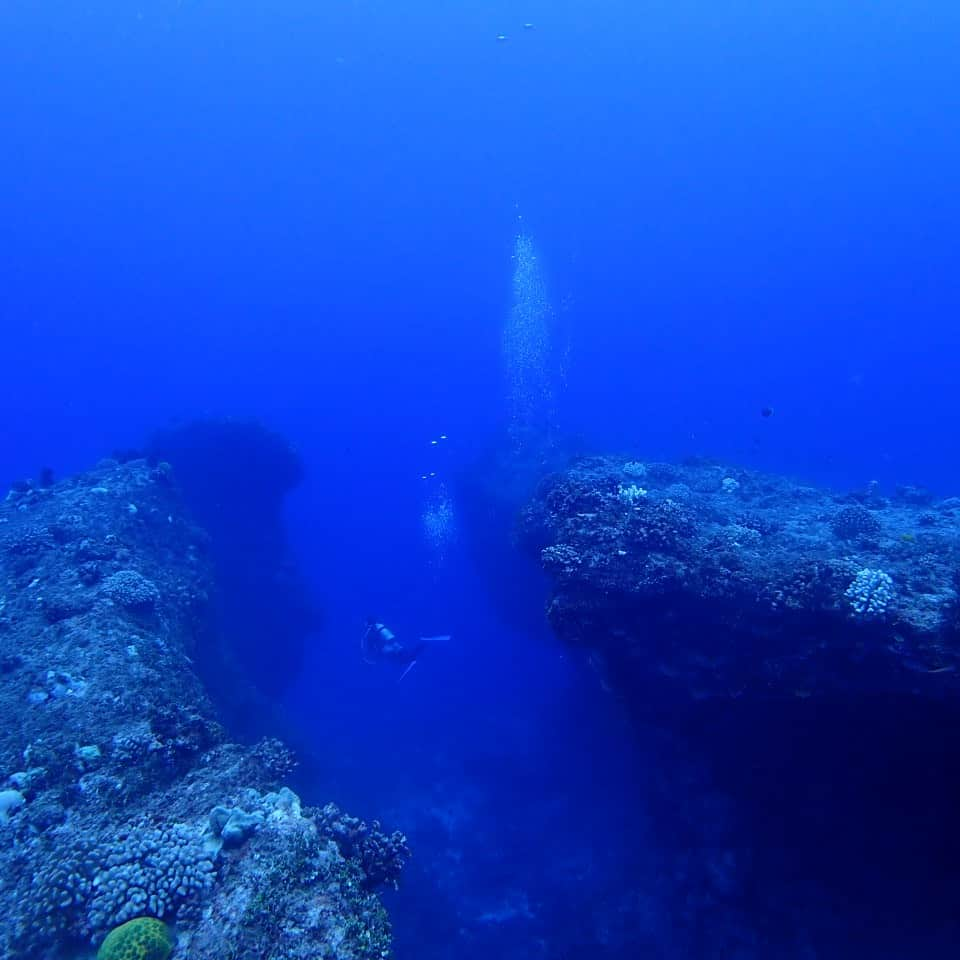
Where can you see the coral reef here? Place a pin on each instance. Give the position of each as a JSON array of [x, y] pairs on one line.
[[381, 856], [121, 796]]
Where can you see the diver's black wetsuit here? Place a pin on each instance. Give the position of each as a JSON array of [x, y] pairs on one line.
[[380, 643]]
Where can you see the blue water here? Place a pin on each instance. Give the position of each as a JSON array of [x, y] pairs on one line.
[[306, 213]]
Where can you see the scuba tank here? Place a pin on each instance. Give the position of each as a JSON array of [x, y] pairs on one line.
[[375, 631]]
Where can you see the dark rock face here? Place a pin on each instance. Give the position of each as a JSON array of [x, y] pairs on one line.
[[112, 758], [234, 476], [490, 493], [709, 582]]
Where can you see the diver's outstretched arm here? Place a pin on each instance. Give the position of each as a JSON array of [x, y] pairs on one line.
[[430, 641]]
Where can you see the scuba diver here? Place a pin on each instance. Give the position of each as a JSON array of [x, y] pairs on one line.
[[379, 644]]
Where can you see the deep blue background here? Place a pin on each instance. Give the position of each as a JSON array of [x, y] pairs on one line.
[[305, 212]]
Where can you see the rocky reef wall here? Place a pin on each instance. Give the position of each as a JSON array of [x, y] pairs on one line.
[[122, 795], [801, 648]]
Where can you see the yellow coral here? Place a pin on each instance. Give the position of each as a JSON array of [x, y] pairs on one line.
[[145, 938]]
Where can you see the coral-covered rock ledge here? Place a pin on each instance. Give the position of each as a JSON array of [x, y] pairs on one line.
[[120, 794], [703, 581]]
